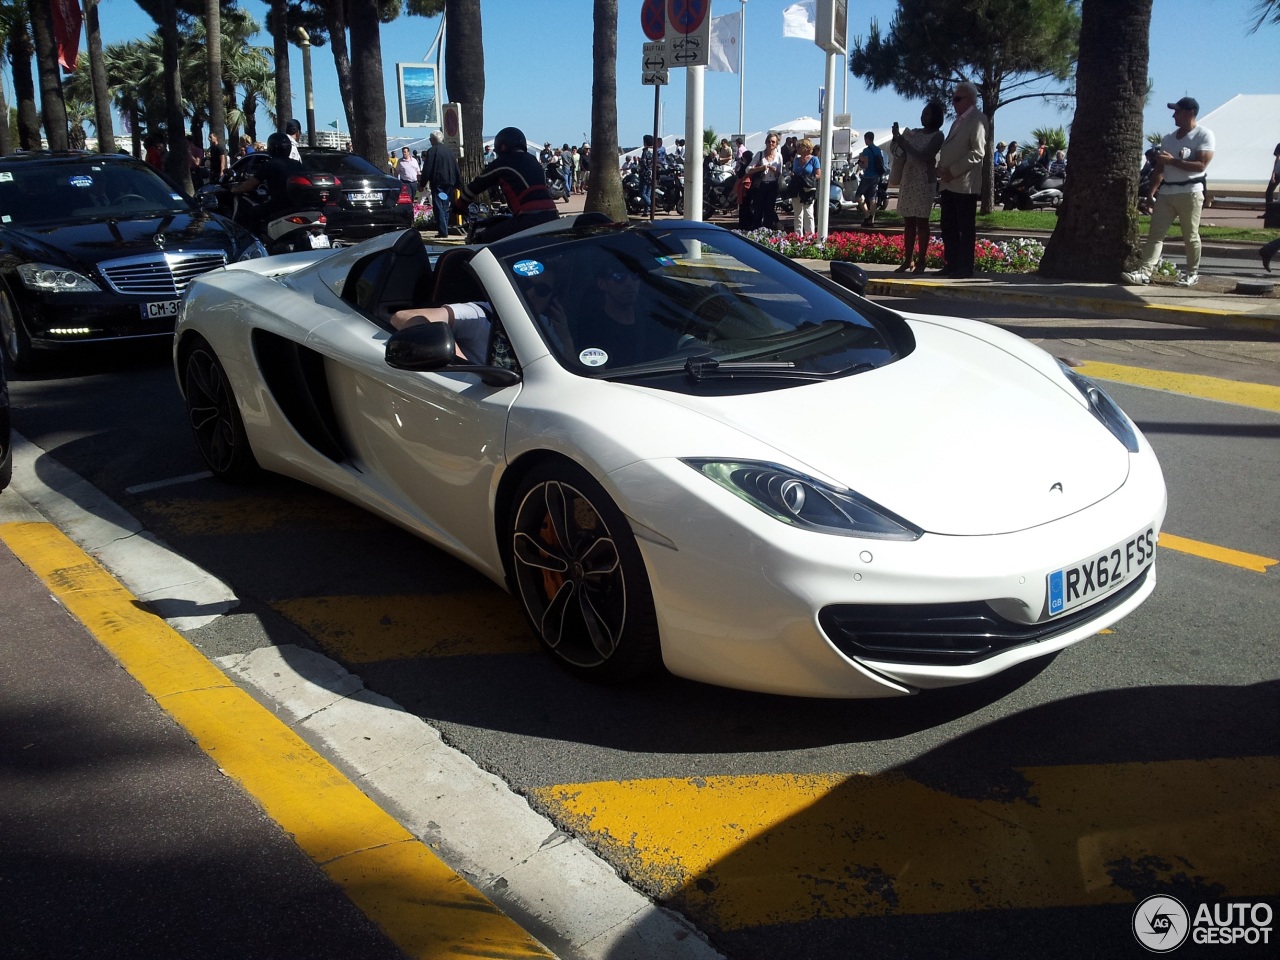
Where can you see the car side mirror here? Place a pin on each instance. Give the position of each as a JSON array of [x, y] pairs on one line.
[[430, 346], [850, 276], [208, 199]]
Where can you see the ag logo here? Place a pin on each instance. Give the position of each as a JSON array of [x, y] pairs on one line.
[[1161, 924]]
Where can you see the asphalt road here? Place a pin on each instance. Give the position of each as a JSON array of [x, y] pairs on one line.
[[1023, 816]]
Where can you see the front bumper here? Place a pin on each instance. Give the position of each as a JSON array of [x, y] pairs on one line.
[[746, 601]]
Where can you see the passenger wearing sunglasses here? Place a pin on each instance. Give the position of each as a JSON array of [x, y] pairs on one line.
[[960, 173]]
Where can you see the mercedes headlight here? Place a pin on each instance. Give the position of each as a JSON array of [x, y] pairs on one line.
[[1104, 408], [50, 279], [252, 252], [804, 502]]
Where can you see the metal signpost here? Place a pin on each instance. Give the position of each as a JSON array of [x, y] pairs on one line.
[[654, 73]]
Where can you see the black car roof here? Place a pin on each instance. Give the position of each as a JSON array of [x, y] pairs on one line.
[[65, 156]]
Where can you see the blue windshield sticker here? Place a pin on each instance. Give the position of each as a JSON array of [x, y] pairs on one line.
[[6, 177], [528, 268], [666, 261], [81, 180]]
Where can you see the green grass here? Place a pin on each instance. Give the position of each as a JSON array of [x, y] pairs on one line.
[[1042, 221]]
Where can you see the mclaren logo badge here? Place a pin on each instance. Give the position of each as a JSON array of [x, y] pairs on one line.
[[1057, 487]]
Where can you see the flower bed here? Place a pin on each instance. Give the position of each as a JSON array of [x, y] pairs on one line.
[[1006, 256]]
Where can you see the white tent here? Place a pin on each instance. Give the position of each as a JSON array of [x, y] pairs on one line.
[[1245, 130]]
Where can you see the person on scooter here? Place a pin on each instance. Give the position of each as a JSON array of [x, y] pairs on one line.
[[275, 174], [520, 177]]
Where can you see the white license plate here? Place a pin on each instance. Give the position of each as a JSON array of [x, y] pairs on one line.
[[364, 197], [320, 241], [158, 309], [1098, 575]]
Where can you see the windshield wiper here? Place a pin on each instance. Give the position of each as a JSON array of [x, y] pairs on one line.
[[709, 368]]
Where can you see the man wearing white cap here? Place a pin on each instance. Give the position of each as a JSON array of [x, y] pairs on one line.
[[1179, 175]]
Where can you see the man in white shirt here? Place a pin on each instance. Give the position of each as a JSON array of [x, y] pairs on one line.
[[1180, 178], [408, 169], [960, 173]]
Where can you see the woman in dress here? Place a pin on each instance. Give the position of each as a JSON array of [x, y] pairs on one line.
[[765, 172], [919, 183]]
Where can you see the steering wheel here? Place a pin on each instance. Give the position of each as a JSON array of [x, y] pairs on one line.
[[131, 196], [709, 313]]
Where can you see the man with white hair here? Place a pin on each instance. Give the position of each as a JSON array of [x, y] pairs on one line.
[[960, 171], [440, 171]]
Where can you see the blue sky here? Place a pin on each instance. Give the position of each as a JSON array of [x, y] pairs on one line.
[[538, 68]]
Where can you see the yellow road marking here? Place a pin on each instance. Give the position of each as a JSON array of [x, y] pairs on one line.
[[1209, 551], [368, 629], [1260, 396], [425, 907], [739, 852]]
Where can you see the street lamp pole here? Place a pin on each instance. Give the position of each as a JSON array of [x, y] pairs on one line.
[[305, 40]]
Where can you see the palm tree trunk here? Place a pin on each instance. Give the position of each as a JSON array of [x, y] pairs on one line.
[[21, 53], [280, 34], [53, 109], [1097, 228], [369, 138], [213, 42], [6, 141], [336, 21], [604, 188], [178, 163], [98, 75], [464, 79]]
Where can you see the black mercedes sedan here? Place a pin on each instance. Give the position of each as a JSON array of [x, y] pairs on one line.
[[98, 247], [6, 437], [357, 199]]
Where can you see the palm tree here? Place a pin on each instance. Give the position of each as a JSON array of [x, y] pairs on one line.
[[278, 24], [21, 50], [464, 78], [52, 108], [369, 135], [1267, 10], [98, 75], [604, 190], [213, 44], [1097, 228]]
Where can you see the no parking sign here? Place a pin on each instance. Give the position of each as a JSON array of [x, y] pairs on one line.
[[689, 32]]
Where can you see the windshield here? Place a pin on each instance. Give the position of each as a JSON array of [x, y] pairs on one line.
[[340, 163], [32, 193], [631, 303]]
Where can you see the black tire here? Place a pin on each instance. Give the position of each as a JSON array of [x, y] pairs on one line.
[[215, 419], [6, 461], [588, 602], [15, 343]]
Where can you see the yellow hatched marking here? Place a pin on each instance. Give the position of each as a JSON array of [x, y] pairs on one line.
[[739, 852], [1260, 396], [368, 629], [425, 907], [1209, 551]]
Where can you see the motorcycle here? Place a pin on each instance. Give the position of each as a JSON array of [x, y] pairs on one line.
[[555, 182], [481, 216], [669, 194], [1031, 187], [290, 232], [1146, 203], [718, 194]]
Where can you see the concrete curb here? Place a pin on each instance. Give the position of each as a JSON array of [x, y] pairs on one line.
[[1206, 317]]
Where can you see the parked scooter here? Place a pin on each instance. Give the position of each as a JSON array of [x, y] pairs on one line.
[[556, 186], [1031, 187], [288, 233], [718, 194]]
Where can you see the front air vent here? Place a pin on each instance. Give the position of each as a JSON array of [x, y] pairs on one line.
[[160, 275]]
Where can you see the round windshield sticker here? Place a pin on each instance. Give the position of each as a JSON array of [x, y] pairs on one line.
[[593, 357], [81, 180], [528, 268]]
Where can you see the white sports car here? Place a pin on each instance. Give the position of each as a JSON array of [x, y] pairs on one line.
[[678, 448]]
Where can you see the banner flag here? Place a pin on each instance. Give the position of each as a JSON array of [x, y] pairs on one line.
[[66, 31], [726, 39], [799, 20], [334, 124]]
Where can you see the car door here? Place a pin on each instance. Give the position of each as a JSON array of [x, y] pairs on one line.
[[428, 445]]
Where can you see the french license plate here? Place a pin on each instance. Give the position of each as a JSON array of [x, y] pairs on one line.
[[1098, 575], [364, 197], [159, 309], [320, 241]]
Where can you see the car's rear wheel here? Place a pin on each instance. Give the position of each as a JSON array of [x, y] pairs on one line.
[[578, 573], [14, 341], [215, 420]]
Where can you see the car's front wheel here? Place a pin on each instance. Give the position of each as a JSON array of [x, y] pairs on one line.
[[580, 577], [215, 420], [14, 341]]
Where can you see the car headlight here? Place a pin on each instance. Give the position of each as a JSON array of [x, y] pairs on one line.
[[1104, 408], [804, 502], [252, 252], [50, 279]]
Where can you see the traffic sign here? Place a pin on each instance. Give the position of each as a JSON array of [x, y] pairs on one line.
[[654, 77], [653, 64], [687, 16], [689, 32], [653, 19]]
